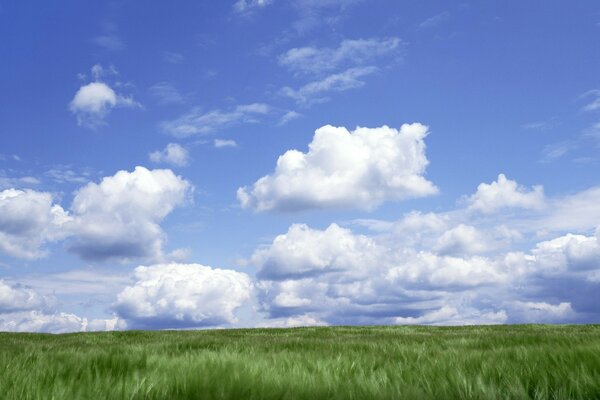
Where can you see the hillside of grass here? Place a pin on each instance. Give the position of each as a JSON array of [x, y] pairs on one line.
[[480, 362]]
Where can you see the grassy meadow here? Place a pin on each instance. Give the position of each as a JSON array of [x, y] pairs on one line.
[[479, 362]]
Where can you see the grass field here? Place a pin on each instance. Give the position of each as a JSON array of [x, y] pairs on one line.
[[481, 362]]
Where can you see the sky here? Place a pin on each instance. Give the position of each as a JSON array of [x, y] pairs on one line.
[[274, 163]]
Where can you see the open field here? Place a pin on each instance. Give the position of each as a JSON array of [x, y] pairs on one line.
[[481, 362]]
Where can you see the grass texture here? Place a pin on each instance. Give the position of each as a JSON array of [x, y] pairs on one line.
[[478, 362]]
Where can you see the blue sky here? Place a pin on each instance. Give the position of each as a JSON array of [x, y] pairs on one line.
[[281, 163]]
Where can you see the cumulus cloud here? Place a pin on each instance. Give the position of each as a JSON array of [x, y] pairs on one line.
[[359, 169], [119, 217], [14, 298], [92, 102], [505, 193], [28, 219], [173, 154], [116, 218], [457, 267], [198, 122], [313, 60], [183, 296]]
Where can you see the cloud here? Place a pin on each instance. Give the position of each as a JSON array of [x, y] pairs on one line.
[[115, 219], [183, 296], [109, 39], [166, 93], [245, 6], [359, 169], [594, 105], [339, 277], [197, 122], [92, 102], [56, 322], [220, 143], [172, 57], [14, 298], [119, 217], [339, 82], [173, 154], [312, 60], [28, 219], [505, 193], [288, 116], [24, 310], [456, 267], [435, 20]]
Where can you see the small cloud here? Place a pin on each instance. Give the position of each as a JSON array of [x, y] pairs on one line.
[[435, 20], [313, 92], [92, 102], [173, 154], [197, 122], [552, 152], [594, 104], [166, 93], [219, 143], [173, 58], [541, 125], [109, 39], [246, 6], [288, 116]]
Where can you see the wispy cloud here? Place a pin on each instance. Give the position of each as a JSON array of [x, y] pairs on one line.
[[166, 93], [314, 92], [219, 143], [435, 20], [173, 58], [358, 52], [198, 122], [246, 6], [109, 39]]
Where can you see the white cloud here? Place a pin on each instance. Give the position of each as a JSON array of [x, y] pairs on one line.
[[338, 82], [93, 101], [575, 212], [28, 219], [173, 154], [219, 143], [57, 322], [449, 315], [35, 321], [463, 239], [312, 60], [342, 169], [197, 122], [109, 39], [166, 93], [183, 295], [542, 312], [119, 217], [173, 58], [14, 298], [435, 20], [505, 193], [594, 105], [244, 6], [288, 116]]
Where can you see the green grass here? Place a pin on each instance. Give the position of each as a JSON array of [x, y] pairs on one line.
[[480, 362]]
